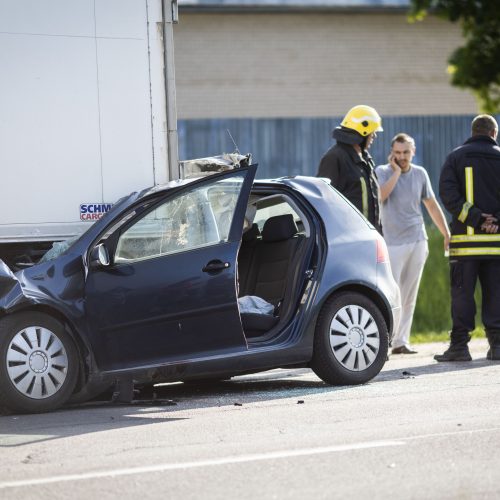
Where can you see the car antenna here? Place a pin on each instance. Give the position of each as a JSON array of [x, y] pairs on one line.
[[233, 141]]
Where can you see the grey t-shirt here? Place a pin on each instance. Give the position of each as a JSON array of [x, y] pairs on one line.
[[402, 219]]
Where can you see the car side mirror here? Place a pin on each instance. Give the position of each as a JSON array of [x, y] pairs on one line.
[[99, 256]]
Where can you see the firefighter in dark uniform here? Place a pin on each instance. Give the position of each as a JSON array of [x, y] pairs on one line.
[[348, 164], [469, 187]]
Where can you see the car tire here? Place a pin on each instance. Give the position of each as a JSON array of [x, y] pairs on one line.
[[38, 363], [350, 341]]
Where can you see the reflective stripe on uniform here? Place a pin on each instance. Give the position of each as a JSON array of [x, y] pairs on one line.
[[469, 193], [465, 211], [464, 238], [472, 251], [364, 197]]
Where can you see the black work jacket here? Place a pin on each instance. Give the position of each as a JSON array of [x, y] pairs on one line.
[[470, 186], [355, 178]]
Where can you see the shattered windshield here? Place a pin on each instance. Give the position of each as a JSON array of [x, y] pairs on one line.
[[59, 247]]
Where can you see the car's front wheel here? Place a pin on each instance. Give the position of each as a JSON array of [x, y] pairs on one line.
[[351, 340], [38, 363]]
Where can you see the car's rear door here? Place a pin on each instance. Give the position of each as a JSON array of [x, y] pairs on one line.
[[170, 291]]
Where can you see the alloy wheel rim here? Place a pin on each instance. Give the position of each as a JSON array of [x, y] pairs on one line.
[[354, 338], [37, 362]]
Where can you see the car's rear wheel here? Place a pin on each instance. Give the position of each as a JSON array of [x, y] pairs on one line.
[[351, 340], [38, 363]]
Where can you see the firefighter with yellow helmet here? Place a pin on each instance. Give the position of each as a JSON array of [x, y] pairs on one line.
[[348, 164]]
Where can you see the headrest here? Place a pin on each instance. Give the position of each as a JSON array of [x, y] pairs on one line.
[[252, 234], [279, 228]]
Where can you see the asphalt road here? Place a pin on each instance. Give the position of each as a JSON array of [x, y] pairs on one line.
[[419, 430]]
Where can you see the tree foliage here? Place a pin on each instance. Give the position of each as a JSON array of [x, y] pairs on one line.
[[475, 65]]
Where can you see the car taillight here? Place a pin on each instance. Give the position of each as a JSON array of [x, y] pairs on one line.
[[382, 252]]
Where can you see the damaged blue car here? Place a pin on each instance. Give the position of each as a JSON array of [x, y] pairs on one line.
[[204, 278]]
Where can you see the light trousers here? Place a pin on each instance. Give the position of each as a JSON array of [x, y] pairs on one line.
[[407, 264]]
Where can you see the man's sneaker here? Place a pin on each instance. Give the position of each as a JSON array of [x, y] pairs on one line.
[[493, 353], [461, 354], [403, 350]]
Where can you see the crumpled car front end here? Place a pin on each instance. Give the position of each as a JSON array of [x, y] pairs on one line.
[[11, 292]]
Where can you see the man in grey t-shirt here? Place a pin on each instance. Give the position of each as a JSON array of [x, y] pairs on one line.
[[403, 188]]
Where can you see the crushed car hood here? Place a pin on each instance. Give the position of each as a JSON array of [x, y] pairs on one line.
[[11, 292]]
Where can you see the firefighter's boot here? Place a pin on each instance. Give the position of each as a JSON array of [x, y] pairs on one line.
[[458, 350], [494, 341]]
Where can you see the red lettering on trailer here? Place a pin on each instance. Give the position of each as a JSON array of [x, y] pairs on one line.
[[90, 216]]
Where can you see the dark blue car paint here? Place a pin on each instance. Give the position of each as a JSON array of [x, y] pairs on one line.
[[160, 308]]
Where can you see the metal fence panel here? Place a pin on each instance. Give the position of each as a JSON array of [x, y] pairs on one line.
[[294, 146]]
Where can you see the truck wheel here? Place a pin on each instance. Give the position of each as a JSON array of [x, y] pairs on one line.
[[38, 363], [350, 341]]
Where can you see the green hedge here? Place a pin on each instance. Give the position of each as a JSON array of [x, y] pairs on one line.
[[432, 317]]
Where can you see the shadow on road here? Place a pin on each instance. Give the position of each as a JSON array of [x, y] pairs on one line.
[[161, 403], [433, 368]]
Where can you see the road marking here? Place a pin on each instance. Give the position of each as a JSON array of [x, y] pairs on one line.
[[201, 463], [451, 433]]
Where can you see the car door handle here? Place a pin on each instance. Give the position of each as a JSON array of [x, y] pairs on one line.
[[215, 266]]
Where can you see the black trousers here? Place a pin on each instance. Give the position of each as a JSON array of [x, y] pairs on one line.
[[463, 278]]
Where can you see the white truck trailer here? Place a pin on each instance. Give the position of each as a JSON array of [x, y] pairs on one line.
[[87, 113]]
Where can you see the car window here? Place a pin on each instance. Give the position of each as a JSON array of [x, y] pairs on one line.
[[274, 206], [199, 217]]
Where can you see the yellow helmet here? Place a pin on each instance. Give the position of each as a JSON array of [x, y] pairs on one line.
[[363, 119]]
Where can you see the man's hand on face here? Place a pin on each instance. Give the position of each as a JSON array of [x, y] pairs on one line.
[[392, 162]]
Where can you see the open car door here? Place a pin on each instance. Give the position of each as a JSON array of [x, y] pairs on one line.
[[169, 292]]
